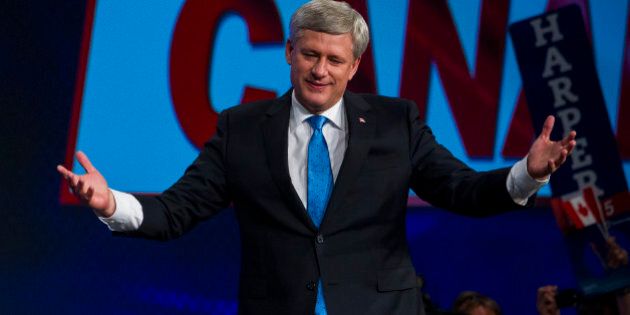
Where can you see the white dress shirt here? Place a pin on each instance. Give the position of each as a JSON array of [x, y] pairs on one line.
[[335, 132], [128, 215]]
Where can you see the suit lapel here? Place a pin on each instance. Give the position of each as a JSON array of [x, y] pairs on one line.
[[360, 132], [275, 134]]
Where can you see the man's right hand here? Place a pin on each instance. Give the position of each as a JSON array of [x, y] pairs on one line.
[[91, 188]]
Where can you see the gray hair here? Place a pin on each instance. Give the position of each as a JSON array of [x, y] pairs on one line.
[[331, 17]]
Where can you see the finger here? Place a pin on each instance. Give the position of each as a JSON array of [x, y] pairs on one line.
[[570, 146], [71, 186], [547, 127], [84, 189], [89, 193], [551, 166], [570, 137], [79, 189], [85, 162], [64, 171], [74, 181], [562, 158]]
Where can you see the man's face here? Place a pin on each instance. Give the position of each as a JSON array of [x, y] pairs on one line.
[[321, 66]]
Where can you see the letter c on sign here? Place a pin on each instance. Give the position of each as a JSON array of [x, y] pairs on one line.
[[191, 51]]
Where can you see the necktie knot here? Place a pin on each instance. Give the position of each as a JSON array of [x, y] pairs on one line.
[[317, 122]]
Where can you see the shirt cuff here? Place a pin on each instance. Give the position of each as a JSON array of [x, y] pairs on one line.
[[128, 214], [521, 185]]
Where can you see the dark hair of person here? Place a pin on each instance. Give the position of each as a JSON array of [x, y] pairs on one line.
[[469, 300]]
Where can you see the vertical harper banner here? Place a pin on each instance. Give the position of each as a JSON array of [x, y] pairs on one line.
[[590, 198]]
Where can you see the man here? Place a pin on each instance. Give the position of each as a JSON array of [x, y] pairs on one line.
[[319, 180]]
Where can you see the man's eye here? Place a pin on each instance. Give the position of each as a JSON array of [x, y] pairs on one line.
[[336, 61]]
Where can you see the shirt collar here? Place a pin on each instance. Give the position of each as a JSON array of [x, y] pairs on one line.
[[336, 114]]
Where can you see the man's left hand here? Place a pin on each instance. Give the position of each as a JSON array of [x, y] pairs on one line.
[[545, 156]]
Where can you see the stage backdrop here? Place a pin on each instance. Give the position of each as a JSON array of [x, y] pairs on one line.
[[137, 85]]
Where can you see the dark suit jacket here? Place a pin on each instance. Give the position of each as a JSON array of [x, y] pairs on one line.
[[360, 251]]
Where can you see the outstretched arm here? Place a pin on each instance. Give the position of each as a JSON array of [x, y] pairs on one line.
[[545, 155], [91, 188]]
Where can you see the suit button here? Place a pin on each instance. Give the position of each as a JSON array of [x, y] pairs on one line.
[[311, 285], [320, 239]]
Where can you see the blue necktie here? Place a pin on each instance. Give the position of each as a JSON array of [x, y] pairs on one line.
[[319, 187]]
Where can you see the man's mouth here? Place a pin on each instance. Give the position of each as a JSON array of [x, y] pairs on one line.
[[318, 86]]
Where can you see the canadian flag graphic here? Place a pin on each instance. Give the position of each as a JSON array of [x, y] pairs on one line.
[[582, 208]]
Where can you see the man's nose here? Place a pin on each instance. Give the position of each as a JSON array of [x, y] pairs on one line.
[[320, 69]]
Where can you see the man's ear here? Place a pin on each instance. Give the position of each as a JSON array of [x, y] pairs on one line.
[[288, 49], [354, 67]]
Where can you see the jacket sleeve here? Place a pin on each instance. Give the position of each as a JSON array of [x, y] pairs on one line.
[[446, 182]]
